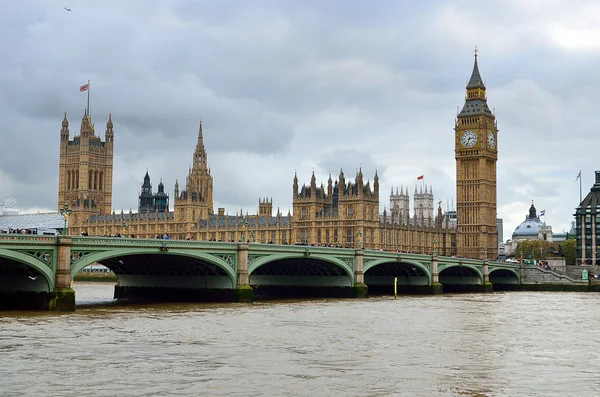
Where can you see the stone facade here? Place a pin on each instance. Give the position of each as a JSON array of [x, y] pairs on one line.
[[85, 170], [345, 213]]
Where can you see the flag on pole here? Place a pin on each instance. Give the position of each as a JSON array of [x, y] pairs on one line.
[[420, 177], [578, 176], [84, 87], [542, 212], [440, 202]]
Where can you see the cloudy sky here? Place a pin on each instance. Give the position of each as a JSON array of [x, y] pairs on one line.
[[285, 86]]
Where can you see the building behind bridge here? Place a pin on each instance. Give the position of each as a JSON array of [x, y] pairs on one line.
[[345, 213]]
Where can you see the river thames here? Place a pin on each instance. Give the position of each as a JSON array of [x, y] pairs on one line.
[[500, 344]]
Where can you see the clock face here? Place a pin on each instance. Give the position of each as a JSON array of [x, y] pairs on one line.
[[469, 139], [491, 140]]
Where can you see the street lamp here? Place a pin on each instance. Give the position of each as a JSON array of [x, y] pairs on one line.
[[485, 253], [434, 247], [252, 236], [124, 228], [243, 223], [66, 213], [358, 235]]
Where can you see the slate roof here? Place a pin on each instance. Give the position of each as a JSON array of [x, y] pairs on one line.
[[49, 220], [134, 216], [220, 221], [475, 107]]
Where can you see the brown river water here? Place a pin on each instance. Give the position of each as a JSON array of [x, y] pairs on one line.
[[500, 344]]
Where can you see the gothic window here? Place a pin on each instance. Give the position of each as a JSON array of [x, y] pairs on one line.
[[319, 236], [100, 180], [273, 237], [90, 178], [304, 212], [263, 237], [284, 237], [77, 179], [349, 235], [350, 212], [304, 236]]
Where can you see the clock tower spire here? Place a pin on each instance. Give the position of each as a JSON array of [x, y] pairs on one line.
[[476, 153]]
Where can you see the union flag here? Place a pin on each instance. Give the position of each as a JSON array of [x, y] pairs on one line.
[[84, 87]]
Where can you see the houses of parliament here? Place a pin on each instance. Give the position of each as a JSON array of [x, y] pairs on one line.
[[343, 213]]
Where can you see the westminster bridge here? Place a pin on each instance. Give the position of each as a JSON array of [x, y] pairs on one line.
[[36, 271]]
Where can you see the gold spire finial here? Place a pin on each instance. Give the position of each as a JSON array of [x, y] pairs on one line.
[[475, 51]]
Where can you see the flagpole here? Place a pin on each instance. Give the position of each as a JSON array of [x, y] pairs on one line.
[[579, 186], [88, 99]]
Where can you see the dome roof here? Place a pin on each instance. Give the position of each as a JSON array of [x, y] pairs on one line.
[[530, 227]]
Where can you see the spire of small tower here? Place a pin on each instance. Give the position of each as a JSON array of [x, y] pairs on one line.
[[86, 125], [64, 131], [109, 133], [200, 152]]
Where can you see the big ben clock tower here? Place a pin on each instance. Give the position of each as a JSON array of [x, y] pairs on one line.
[[476, 153]]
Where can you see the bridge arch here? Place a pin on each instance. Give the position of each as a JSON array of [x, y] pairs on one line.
[[409, 275], [324, 261], [15, 257], [504, 277], [460, 274], [104, 256]]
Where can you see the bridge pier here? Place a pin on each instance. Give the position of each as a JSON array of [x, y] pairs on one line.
[[360, 288], [243, 291], [487, 286], [435, 288], [62, 298]]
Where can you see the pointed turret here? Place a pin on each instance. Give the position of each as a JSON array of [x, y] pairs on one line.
[[295, 189], [476, 101], [475, 81], [64, 131], [200, 153]]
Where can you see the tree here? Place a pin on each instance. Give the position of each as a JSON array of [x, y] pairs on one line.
[[569, 249], [533, 249]]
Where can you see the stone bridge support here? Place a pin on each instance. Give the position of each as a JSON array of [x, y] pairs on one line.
[[243, 290], [62, 298], [487, 286], [360, 288], [436, 287]]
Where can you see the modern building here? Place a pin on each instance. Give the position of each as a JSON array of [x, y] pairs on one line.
[[587, 230], [344, 213], [476, 153]]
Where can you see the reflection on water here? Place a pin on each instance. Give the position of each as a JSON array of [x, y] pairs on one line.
[[501, 344]]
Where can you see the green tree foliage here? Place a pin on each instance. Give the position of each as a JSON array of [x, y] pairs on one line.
[[569, 249], [533, 249]]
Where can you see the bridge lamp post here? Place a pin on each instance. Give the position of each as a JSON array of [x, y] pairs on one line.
[[66, 213], [124, 228], [358, 236], [434, 247], [243, 223], [252, 236], [485, 253]]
